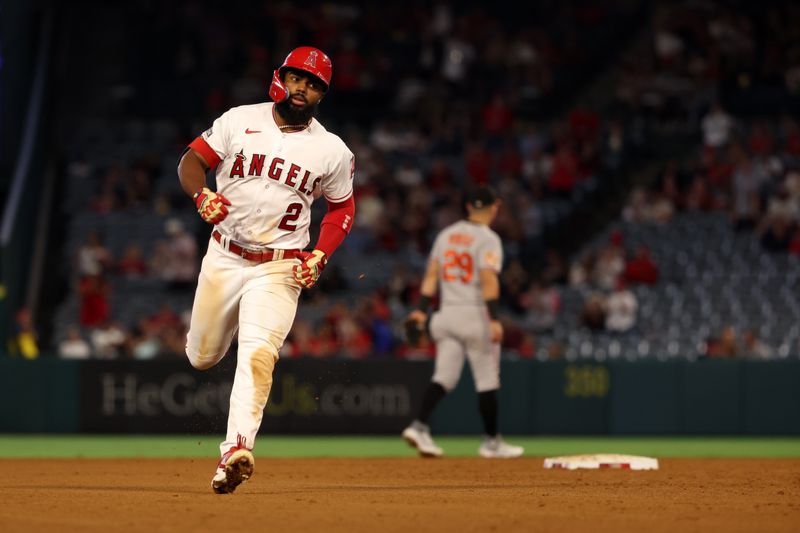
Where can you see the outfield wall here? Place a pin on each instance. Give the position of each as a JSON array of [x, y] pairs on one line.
[[325, 396]]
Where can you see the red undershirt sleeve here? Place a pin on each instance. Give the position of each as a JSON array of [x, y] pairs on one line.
[[200, 146], [336, 225]]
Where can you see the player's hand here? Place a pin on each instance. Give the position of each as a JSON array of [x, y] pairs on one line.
[[211, 205], [309, 270], [495, 331], [417, 315]]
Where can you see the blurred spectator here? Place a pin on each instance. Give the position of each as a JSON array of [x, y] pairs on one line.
[[609, 265], [699, 197], [496, 119], [580, 271], [109, 196], [638, 208], [755, 348], [531, 218], [94, 305], [353, 340], [564, 174], [556, 351], [108, 340], [93, 257], [614, 145], [748, 179], [761, 141], [777, 235], [159, 263], [621, 309], [298, 341], [181, 269], [646, 206], [478, 163], [173, 340], [794, 244], [164, 318], [131, 264], [514, 280], [377, 314], [641, 268], [783, 206], [458, 55], [144, 343], [717, 126], [139, 186], [555, 269], [516, 341], [593, 314], [790, 132], [24, 340], [304, 342], [74, 346], [543, 304], [725, 346]]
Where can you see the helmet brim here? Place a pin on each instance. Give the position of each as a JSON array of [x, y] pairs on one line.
[[284, 69]]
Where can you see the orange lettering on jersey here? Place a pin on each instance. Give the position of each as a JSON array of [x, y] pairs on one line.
[[256, 165], [293, 170], [461, 239], [457, 267], [275, 168]]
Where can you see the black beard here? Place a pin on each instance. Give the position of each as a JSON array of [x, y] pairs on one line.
[[294, 115]]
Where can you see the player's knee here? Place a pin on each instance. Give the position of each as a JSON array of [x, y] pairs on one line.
[[202, 361]]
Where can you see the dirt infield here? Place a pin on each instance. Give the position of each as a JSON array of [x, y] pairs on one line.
[[399, 495]]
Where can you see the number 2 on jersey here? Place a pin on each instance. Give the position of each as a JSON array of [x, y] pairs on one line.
[[457, 266], [288, 222]]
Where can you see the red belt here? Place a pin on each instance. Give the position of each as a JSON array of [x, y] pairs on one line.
[[259, 256]]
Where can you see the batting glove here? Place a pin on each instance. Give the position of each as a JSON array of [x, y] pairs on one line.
[[211, 205], [308, 271]]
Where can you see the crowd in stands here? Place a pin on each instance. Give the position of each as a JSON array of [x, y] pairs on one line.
[[452, 96], [749, 169], [700, 51]]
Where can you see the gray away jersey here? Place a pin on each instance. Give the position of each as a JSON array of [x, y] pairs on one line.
[[463, 249]]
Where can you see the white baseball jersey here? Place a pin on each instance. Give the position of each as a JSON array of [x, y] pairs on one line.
[[272, 177], [463, 249]]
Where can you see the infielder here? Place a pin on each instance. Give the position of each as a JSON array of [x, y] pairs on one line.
[[272, 160], [464, 262]]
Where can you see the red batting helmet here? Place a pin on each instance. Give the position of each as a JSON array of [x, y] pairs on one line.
[[305, 58]]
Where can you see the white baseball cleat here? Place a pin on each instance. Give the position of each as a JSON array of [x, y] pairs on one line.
[[419, 437], [497, 448], [235, 467]]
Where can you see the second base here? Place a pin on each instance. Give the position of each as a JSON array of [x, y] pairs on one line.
[[602, 460]]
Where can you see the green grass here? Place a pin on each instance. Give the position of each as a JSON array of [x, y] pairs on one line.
[[96, 446]]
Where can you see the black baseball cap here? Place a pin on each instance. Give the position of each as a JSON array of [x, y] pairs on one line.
[[480, 197]]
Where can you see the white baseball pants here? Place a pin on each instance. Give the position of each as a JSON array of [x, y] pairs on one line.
[[260, 299]]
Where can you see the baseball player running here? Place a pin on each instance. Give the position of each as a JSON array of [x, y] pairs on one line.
[[465, 261], [272, 160]]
